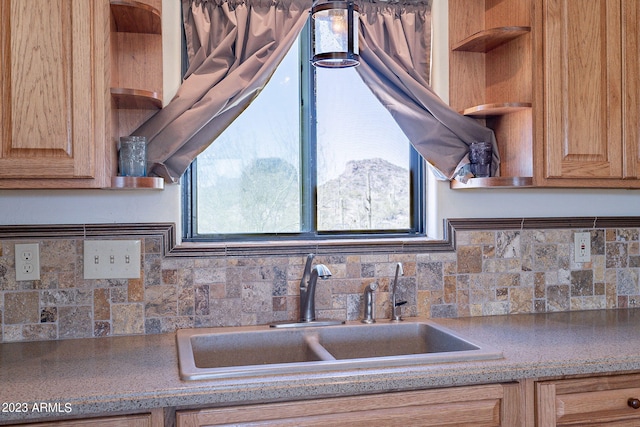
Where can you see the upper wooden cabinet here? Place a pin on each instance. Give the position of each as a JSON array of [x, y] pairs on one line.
[[578, 69], [75, 75], [588, 120], [53, 109]]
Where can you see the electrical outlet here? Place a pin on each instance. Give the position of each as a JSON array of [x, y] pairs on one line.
[[27, 261], [111, 259], [582, 242]]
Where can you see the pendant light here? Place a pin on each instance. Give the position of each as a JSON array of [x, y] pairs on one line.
[[335, 34]]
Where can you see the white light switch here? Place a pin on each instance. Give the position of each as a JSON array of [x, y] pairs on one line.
[[111, 259]]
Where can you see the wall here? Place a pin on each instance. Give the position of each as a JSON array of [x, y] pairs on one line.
[[78, 207], [491, 272], [511, 267]]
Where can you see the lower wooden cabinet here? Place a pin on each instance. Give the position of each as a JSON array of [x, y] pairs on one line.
[[155, 418], [477, 406], [595, 401], [143, 420]]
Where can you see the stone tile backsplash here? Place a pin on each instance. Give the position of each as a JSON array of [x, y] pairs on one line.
[[490, 272]]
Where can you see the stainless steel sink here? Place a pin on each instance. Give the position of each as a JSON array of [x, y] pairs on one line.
[[209, 353]]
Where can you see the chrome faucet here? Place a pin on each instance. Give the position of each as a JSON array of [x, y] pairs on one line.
[[308, 288], [396, 305], [370, 303]]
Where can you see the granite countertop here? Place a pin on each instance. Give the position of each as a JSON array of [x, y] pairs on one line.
[[127, 374]]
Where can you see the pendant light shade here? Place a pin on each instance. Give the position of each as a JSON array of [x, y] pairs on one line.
[[335, 34]]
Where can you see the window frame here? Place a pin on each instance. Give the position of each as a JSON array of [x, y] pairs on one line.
[[308, 196]]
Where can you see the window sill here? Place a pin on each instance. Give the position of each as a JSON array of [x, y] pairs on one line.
[[321, 247]]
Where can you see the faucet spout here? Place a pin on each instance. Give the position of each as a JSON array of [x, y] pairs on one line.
[[308, 289], [395, 305]]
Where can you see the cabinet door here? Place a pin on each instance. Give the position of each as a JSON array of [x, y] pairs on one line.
[[490, 405], [53, 108], [582, 89], [631, 88]]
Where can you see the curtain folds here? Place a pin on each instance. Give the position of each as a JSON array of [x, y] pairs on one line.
[[395, 53], [234, 46]]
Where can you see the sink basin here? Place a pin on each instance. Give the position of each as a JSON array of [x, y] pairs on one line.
[[209, 353]]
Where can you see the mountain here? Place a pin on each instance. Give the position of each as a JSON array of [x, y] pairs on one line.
[[369, 194]]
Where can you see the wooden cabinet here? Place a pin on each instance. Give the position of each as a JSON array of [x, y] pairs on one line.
[[490, 405], [587, 123], [490, 67], [53, 104], [578, 69], [141, 420], [597, 401], [74, 76]]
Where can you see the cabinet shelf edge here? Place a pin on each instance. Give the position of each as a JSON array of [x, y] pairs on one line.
[[131, 16], [495, 109], [494, 182], [136, 99], [137, 182], [487, 40]]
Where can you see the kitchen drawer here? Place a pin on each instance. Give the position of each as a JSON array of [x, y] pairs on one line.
[[589, 401]]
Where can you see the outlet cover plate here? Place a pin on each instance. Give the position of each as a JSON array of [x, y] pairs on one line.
[[582, 249], [111, 259], [27, 261]]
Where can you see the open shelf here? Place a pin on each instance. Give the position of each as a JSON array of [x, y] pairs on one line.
[[135, 99], [134, 17], [487, 40], [496, 109], [494, 182], [137, 182]]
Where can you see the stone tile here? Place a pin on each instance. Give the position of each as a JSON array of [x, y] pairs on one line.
[[127, 319], [161, 300], [444, 310], [49, 315], [582, 283], [469, 259], [135, 290], [21, 307], [494, 308], [201, 300], [186, 301], [75, 322], [627, 282], [170, 277], [545, 257], [429, 275], [521, 300], [101, 328], [558, 298], [616, 255], [507, 244], [40, 332]]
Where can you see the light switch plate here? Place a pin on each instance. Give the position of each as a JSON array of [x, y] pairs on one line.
[[111, 259]]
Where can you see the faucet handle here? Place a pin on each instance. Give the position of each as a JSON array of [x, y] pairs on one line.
[[396, 311]]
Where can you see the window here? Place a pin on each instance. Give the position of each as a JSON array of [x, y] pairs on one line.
[[314, 155]]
